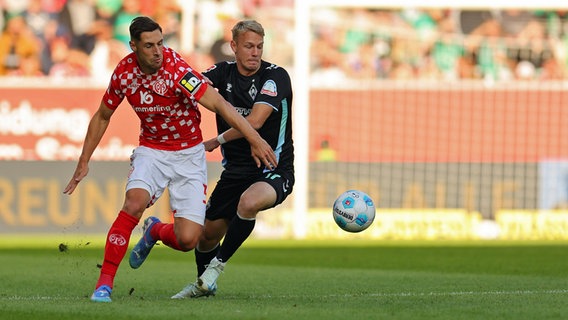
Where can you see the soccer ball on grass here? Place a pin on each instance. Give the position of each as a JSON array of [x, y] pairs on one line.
[[354, 211]]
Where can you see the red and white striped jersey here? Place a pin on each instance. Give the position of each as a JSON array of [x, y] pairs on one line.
[[165, 102]]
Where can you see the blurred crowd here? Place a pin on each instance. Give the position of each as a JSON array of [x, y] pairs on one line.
[[86, 38], [439, 44]]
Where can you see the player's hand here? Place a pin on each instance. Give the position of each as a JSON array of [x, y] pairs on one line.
[[80, 172], [211, 144], [262, 153]]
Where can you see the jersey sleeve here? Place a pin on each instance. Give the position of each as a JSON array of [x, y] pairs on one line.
[[276, 86], [114, 93], [214, 73], [187, 81], [191, 83]]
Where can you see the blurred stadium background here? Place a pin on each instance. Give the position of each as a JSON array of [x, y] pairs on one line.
[[450, 114]]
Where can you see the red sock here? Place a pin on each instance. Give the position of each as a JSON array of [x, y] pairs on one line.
[[117, 241], [165, 233]]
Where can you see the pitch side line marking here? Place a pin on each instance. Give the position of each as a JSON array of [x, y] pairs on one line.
[[394, 294], [426, 294], [459, 293]]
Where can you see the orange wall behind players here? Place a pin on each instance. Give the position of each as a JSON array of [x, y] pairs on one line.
[[440, 125]]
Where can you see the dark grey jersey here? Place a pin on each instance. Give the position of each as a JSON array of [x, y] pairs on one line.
[[271, 86]]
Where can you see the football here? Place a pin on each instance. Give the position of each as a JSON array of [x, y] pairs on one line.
[[354, 211]]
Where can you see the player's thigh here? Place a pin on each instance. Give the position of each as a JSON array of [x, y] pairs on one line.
[[188, 185], [147, 172], [225, 197], [269, 190], [260, 195]]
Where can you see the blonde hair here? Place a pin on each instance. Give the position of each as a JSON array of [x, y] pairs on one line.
[[247, 25]]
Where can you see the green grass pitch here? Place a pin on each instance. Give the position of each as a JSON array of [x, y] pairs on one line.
[[349, 279]]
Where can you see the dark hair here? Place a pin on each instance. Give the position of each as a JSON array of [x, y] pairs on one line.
[[142, 24]]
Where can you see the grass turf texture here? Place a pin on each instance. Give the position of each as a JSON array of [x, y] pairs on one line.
[[295, 280]]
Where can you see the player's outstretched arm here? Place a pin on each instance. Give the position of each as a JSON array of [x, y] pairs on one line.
[[258, 116], [97, 127], [261, 151]]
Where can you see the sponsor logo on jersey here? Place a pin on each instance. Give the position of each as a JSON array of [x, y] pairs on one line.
[[153, 109], [269, 88], [190, 82], [243, 111], [146, 98]]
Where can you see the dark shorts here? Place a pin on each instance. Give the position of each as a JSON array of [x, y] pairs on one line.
[[227, 193]]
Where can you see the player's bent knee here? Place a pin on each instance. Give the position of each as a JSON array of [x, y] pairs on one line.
[[248, 207], [187, 233], [187, 243]]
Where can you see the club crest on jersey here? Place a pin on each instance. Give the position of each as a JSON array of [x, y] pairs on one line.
[[160, 87], [253, 91], [269, 88], [190, 82]]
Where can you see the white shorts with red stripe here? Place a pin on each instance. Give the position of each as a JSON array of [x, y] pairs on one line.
[[183, 172]]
